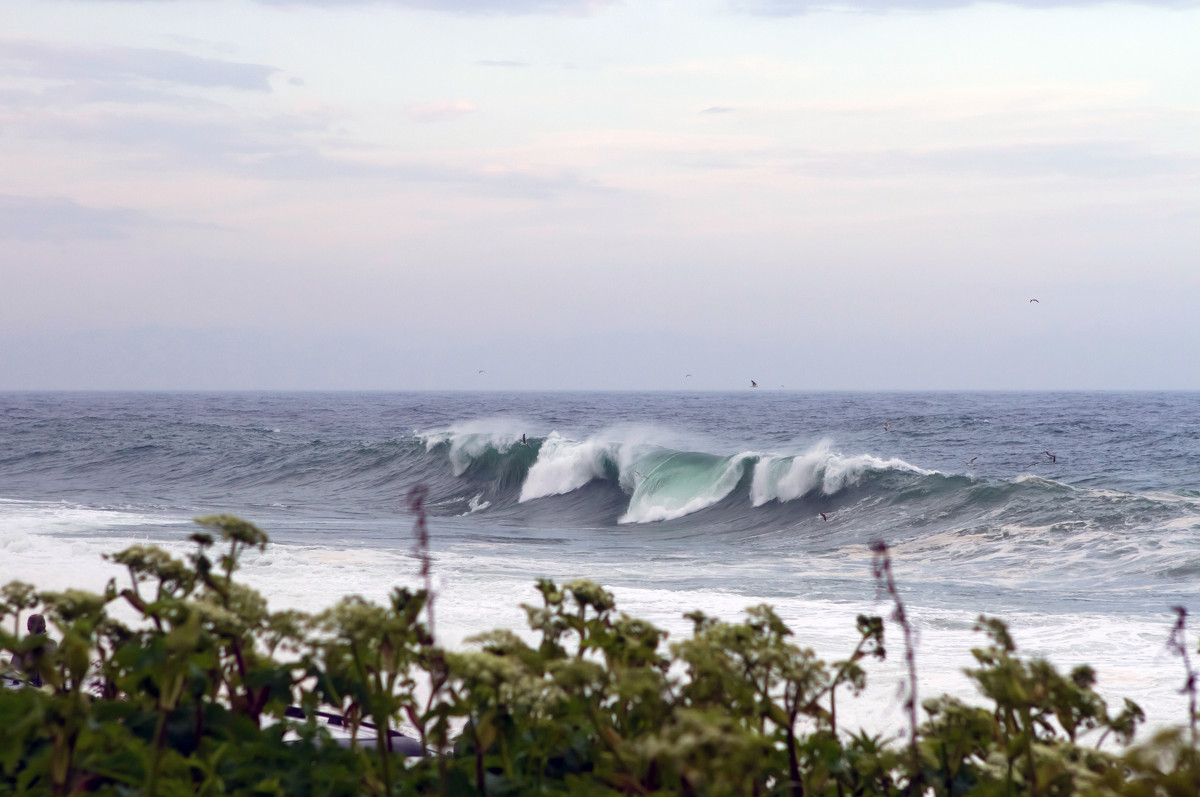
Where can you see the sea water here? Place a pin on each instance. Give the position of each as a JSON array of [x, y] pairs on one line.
[[1075, 517]]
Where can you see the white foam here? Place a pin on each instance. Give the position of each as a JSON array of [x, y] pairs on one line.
[[470, 440], [54, 546], [778, 478], [782, 478], [563, 466]]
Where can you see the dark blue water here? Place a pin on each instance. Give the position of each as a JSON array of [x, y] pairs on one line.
[[1078, 513], [1100, 489]]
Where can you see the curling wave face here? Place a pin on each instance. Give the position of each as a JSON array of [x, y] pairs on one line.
[[678, 501], [958, 480], [610, 479], [661, 483]]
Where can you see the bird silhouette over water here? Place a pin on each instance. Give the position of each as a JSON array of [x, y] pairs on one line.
[[753, 383], [1031, 301], [822, 514], [887, 427], [971, 464], [1052, 457]]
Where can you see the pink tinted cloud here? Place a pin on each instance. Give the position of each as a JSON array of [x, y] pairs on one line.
[[441, 111]]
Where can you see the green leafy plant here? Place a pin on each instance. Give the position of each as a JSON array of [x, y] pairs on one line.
[[209, 692]]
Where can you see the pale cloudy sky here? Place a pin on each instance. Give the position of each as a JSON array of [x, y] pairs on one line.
[[329, 194]]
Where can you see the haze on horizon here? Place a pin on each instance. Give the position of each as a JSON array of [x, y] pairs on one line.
[[593, 194]]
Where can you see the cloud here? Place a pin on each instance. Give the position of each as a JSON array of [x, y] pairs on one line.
[[1076, 160], [787, 8], [504, 181], [509, 7], [1073, 160], [155, 131], [288, 148], [60, 220], [441, 111], [128, 66]]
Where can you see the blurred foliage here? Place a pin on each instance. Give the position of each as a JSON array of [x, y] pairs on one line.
[[194, 699]]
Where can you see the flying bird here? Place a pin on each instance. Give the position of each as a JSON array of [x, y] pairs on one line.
[[687, 376], [971, 464], [887, 427], [482, 371], [1052, 457], [753, 383], [1031, 301], [822, 514]]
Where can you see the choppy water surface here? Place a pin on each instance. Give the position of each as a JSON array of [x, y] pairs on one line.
[[1076, 516]]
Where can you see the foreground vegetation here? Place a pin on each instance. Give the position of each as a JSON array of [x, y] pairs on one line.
[[193, 700]]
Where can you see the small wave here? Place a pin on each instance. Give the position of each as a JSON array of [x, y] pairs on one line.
[[787, 478]]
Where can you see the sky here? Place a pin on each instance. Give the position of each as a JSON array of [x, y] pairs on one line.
[[601, 195]]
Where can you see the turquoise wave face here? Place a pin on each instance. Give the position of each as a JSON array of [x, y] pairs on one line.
[[1003, 488], [611, 480], [676, 484]]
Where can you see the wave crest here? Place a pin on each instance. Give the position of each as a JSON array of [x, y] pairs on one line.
[[683, 484], [563, 466], [661, 483]]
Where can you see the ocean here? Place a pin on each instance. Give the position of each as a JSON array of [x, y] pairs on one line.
[[1073, 516]]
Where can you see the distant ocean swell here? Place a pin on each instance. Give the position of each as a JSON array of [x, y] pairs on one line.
[[609, 479], [661, 483], [639, 482]]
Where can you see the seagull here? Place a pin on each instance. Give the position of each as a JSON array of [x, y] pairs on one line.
[[482, 371], [1052, 457], [687, 376], [1031, 301], [887, 427], [822, 514], [753, 383], [971, 464]]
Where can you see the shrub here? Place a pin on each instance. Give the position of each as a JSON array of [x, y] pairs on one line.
[[195, 698]]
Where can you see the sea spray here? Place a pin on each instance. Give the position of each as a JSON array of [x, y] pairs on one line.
[[564, 466]]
